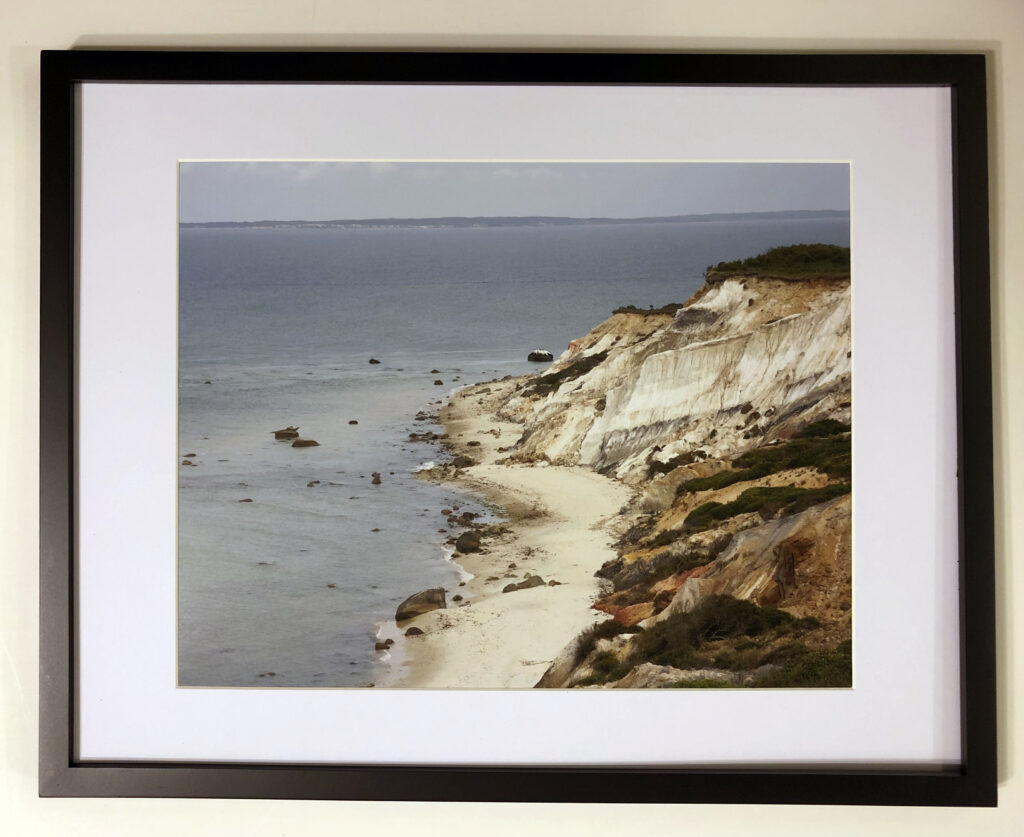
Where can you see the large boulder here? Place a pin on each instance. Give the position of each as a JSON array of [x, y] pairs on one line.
[[305, 443], [290, 432], [540, 356], [422, 602], [468, 542]]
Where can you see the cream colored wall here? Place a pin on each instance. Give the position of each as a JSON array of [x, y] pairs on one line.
[[994, 26]]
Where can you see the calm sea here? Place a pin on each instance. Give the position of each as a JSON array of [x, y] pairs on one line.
[[277, 327]]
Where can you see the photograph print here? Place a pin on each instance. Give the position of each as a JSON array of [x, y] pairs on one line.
[[514, 425]]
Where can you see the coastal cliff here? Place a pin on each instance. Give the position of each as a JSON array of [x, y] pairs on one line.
[[746, 360], [728, 420]]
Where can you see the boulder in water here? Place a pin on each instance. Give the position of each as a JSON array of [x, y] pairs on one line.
[[540, 356]]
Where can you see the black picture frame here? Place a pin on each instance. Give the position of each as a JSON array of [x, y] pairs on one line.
[[971, 783]]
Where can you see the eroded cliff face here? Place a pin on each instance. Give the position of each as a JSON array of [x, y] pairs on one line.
[[746, 360], [731, 419]]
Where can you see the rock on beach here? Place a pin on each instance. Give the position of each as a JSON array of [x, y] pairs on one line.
[[422, 602], [532, 581], [468, 542]]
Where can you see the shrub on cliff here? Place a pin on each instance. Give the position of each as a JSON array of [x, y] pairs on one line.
[[703, 683], [768, 501], [677, 640], [644, 572], [664, 538], [601, 630], [686, 640], [671, 308], [829, 454], [655, 466], [825, 427], [548, 383], [792, 262], [822, 668], [635, 533]]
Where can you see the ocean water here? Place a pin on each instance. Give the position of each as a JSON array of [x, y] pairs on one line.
[[276, 328]]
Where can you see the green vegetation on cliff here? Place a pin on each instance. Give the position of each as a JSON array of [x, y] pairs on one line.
[[824, 445], [768, 501], [548, 383], [675, 641], [797, 261], [804, 668], [671, 308], [726, 634]]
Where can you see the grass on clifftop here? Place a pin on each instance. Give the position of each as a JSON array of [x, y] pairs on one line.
[[797, 261], [671, 308]]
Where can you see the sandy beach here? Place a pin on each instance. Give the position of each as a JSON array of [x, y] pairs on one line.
[[557, 519]]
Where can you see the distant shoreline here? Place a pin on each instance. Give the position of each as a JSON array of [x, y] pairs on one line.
[[460, 222]]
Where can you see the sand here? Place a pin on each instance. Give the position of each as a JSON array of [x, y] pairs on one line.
[[557, 520]]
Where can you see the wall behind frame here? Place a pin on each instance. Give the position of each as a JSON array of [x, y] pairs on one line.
[[994, 26]]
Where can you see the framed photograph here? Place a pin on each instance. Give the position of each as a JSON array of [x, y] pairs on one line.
[[516, 427]]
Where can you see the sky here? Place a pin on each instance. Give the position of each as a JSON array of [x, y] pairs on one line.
[[329, 190]]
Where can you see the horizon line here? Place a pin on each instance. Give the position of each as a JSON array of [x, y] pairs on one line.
[[545, 218]]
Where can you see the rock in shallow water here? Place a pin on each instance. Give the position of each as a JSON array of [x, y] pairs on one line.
[[305, 443], [540, 356]]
